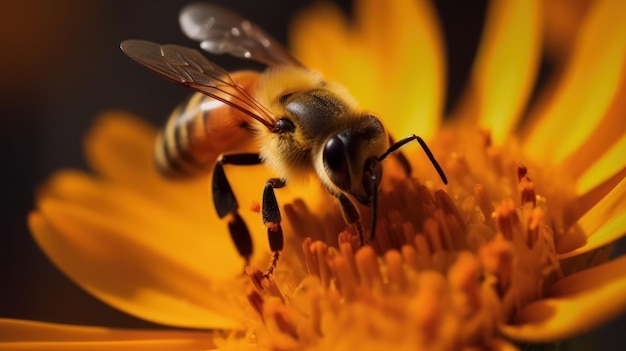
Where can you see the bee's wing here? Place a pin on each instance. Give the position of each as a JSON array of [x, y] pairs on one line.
[[220, 30], [190, 68]]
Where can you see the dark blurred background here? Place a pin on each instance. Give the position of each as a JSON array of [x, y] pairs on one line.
[[60, 65]]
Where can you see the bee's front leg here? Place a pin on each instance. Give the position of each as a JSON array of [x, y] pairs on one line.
[[272, 219], [349, 212]]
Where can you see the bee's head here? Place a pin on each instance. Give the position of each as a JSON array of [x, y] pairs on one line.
[[350, 157]]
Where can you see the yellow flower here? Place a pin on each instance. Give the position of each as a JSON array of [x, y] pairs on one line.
[[514, 247]]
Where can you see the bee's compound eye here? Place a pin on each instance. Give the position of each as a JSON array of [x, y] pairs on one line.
[[336, 162], [284, 125]]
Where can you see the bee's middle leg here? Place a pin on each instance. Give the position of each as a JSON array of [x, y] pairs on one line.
[[272, 219]]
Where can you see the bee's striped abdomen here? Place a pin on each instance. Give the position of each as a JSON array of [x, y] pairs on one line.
[[196, 133]]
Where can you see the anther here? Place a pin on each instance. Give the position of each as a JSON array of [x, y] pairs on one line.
[[367, 265], [507, 221], [527, 191], [256, 300], [483, 201]]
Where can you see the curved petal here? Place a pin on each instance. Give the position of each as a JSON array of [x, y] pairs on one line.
[[100, 253], [507, 62], [579, 302], [501, 345], [187, 236], [601, 225], [576, 109], [120, 147], [319, 44], [604, 166], [394, 47], [406, 43], [28, 335], [602, 140]]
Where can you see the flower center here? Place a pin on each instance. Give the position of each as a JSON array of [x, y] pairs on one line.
[[448, 264]]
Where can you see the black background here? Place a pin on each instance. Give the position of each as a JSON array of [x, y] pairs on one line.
[[60, 65]]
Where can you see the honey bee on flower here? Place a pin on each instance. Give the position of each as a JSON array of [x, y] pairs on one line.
[[302, 125], [514, 249]]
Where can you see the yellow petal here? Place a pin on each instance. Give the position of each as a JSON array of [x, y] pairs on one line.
[[112, 259], [601, 225], [589, 85], [604, 137], [120, 147], [144, 221], [391, 59], [579, 302], [605, 166], [319, 44], [507, 63], [28, 335], [405, 41]]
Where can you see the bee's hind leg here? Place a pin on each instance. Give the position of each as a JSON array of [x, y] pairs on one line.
[[272, 219], [226, 204]]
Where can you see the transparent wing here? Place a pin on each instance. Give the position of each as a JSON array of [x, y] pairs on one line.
[[190, 68], [220, 30]]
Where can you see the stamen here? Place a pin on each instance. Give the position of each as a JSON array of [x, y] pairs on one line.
[[534, 226], [507, 221], [263, 283], [409, 255], [319, 252], [497, 259], [521, 172], [449, 207], [431, 229], [395, 271], [346, 237], [527, 191], [345, 279], [256, 300], [485, 204], [311, 267], [347, 251], [279, 315], [464, 276], [423, 250], [367, 266], [408, 232]]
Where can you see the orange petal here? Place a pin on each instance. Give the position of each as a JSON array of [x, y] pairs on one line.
[[28, 335], [578, 302], [501, 345], [602, 224], [507, 62], [114, 260], [589, 86]]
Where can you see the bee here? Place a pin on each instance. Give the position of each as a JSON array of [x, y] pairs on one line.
[[300, 124]]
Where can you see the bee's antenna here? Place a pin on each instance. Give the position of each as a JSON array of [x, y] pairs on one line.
[[430, 155], [373, 172], [374, 181]]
